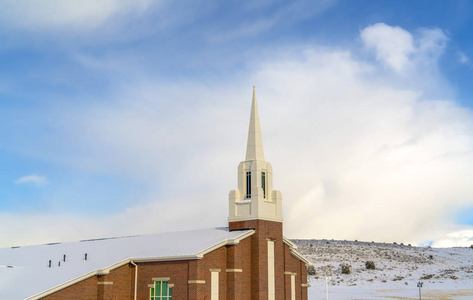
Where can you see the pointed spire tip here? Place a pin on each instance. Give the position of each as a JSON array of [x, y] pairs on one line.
[[254, 150]]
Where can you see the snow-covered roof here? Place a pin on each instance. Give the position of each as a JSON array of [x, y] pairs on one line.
[[25, 271]]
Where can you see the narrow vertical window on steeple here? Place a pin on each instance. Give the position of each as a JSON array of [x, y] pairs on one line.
[[263, 183], [248, 185]]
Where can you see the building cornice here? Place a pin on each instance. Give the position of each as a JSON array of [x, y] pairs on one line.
[[237, 219]]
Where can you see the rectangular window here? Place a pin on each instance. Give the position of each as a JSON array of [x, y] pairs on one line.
[[160, 291], [214, 286], [263, 183], [248, 185], [271, 279]]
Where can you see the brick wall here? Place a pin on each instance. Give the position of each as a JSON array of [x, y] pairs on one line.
[[98, 287], [284, 261], [239, 258], [177, 271], [264, 230], [249, 257], [180, 272], [215, 260], [297, 267]]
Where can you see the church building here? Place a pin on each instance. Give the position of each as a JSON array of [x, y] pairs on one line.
[[249, 259]]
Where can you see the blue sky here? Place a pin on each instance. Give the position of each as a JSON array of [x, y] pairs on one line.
[[130, 117]]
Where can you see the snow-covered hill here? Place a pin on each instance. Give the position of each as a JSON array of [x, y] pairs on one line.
[[397, 267]]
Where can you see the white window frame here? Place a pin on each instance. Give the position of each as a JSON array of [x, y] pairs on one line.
[[160, 297]]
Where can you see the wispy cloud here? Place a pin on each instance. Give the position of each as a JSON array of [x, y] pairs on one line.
[[270, 15], [68, 16], [33, 180], [463, 58]]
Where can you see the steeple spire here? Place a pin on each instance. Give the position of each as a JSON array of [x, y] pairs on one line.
[[255, 198], [254, 148]]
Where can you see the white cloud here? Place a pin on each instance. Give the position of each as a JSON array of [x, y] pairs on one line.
[[172, 215], [431, 43], [393, 45], [356, 154], [380, 162], [32, 179], [57, 14], [460, 238], [399, 49]]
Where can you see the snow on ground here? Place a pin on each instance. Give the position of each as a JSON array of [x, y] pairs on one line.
[[446, 273]]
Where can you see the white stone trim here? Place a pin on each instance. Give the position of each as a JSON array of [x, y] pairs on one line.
[[215, 270], [237, 219], [305, 285], [293, 287], [226, 243], [294, 253], [168, 258], [214, 283], [234, 270], [243, 202], [290, 273], [271, 271], [289, 243], [161, 278], [196, 282], [105, 283]]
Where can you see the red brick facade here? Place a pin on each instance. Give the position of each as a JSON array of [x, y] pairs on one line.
[[100, 287], [284, 262], [243, 272]]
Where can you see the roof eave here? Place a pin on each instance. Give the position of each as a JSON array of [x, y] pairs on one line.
[[229, 242], [294, 252]]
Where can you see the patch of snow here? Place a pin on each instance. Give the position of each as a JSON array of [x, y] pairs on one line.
[[25, 271], [398, 269]]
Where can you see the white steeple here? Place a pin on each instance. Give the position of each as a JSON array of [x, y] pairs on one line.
[[255, 197], [254, 148]]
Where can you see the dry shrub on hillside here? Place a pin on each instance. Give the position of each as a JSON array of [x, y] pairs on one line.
[[311, 270], [346, 269], [370, 265]]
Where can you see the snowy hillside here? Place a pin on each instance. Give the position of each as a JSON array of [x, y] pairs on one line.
[[397, 267]]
